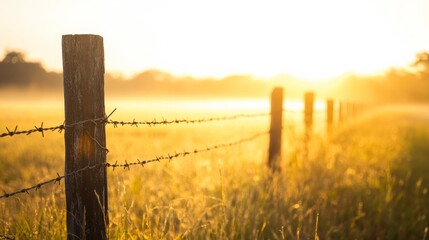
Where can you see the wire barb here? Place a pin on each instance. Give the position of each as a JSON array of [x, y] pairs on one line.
[[42, 129], [154, 122], [107, 120], [127, 164], [171, 156]]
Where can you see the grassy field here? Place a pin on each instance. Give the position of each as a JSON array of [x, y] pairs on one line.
[[370, 181]]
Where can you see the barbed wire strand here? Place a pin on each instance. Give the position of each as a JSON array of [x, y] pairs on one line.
[[105, 120], [127, 165], [201, 120], [170, 157], [58, 128]]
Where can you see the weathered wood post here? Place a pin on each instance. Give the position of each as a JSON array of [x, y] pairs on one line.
[[308, 112], [329, 115], [86, 192], [274, 152]]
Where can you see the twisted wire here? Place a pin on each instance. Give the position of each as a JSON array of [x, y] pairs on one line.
[[58, 128], [106, 120], [176, 121], [170, 157], [127, 165]]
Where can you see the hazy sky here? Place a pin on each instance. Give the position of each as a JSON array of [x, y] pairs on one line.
[[307, 38]]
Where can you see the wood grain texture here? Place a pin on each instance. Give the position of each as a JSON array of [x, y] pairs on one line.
[[86, 193]]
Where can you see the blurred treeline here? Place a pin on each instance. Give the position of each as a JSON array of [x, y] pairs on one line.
[[395, 85], [17, 73]]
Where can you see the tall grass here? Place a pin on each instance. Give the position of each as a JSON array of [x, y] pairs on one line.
[[369, 181]]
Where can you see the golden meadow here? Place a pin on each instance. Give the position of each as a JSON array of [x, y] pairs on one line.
[[368, 181]]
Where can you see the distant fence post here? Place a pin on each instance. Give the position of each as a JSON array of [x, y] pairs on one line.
[[274, 154], [86, 192], [329, 115], [308, 112]]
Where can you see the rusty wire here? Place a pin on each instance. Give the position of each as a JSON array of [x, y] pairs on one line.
[[58, 128], [106, 120], [127, 165], [170, 157], [40, 129], [166, 122]]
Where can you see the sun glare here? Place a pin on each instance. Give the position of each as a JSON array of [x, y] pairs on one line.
[[222, 38], [316, 40]]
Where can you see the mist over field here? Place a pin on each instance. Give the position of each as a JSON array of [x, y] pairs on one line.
[[22, 79]]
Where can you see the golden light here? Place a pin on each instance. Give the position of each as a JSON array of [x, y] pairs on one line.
[[316, 40]]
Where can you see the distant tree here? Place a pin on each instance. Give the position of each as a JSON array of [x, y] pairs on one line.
[[16, 72], [422, 63], [14, 57], [421, 80]]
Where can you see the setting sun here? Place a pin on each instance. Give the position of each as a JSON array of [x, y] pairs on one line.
[[310, 39]]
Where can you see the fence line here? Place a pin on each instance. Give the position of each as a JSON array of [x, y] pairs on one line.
[[151, 123], [86, 190], [127, 165], [201, 120], [116, 123]]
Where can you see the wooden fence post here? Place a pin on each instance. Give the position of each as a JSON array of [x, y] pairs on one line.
[[308, 112], [329, 115], [274, 153], [86, 192]]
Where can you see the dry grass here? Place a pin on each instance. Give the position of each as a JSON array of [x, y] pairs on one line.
[[369, 182]]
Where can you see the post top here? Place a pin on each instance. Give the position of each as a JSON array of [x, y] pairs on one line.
[[310, 94], [81, 35], [278, 89]]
